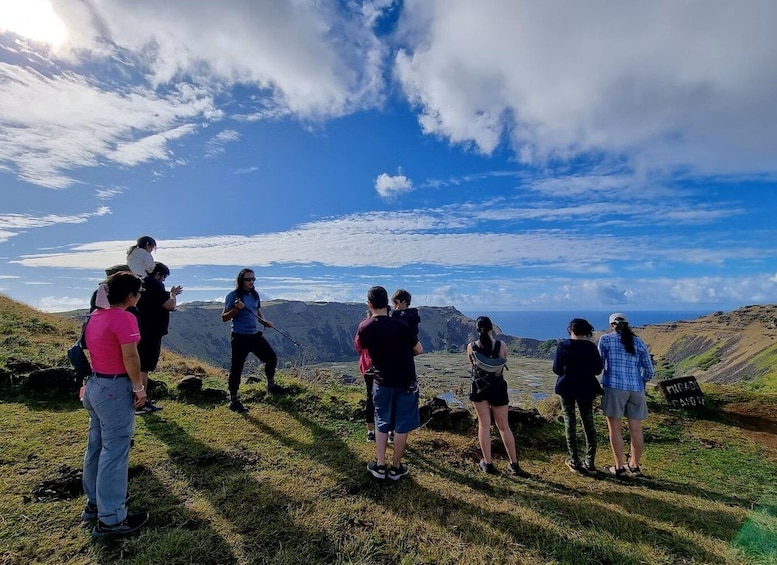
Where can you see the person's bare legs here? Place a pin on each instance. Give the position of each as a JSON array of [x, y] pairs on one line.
[[637, 442], [381, 439], [484, 429], [616, 440], [400, 440], [508, 439]]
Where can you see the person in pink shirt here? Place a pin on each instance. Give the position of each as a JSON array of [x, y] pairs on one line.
[[111, 394]]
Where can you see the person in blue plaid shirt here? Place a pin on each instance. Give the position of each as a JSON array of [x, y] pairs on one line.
[[627, 367]]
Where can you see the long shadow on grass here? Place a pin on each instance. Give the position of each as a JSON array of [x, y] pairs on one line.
[[173, 535], [561, 502], [256, 511], [573, 510], [449, 513], [37, 401]]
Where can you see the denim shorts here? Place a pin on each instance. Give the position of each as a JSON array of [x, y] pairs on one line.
[[619, 403], [396, 409]]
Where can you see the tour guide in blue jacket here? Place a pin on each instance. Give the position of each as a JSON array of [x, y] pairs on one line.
[[241, 307]]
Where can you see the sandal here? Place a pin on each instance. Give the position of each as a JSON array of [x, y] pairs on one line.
[[636, 471], [618, 473]]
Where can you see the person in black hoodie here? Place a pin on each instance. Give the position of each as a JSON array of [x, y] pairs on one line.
[[577, 363], [401, 300]]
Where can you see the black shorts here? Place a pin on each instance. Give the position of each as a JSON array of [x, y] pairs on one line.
[[491, 390], [149, 349]]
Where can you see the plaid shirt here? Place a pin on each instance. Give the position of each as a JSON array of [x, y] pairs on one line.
[[622, 370]]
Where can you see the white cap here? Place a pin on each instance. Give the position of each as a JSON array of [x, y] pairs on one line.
[[618, 317]]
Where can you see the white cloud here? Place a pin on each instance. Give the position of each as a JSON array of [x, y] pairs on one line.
[[63, 111], [62, 303], [216, 145], [389, 187], [108, 193], [12, 224], [246, 170], [663, 83], [437, 238], [52, 125], [317, 59]]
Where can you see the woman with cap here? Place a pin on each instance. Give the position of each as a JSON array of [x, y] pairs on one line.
[[627, 367]]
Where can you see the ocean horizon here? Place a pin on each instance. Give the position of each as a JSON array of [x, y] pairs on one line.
[[549, 324]]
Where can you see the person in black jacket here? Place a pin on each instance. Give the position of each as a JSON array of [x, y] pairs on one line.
[[577, 363], [154, 318]]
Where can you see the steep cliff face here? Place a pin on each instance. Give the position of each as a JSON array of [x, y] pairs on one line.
[[723, 347], [324, 331]]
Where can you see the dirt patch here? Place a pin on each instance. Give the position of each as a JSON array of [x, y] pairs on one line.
[[66, 485], [758, 422]]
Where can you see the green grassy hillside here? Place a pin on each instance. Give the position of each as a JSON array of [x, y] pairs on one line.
[[724, 347], [287, 483]]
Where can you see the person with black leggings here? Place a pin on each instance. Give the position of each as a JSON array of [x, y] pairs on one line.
[[242, 308]]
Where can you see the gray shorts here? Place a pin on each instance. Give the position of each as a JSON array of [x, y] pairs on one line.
[[619, 403]]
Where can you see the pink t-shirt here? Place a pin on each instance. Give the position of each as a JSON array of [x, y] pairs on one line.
[[364, 356], [106, 331]]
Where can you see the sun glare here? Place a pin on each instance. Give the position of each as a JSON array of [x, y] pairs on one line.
[[33, 19]]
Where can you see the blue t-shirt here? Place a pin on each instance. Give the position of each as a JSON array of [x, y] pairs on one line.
[[245, 322]]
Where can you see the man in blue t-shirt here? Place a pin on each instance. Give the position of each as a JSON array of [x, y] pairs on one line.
[[392, 346], [241, 306]]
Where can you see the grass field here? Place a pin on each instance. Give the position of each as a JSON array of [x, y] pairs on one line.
[[287, 483]]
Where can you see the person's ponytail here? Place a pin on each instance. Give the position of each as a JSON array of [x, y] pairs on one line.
[[626, 336]]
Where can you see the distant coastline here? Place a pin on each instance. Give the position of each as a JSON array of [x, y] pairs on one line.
[[544, 325]]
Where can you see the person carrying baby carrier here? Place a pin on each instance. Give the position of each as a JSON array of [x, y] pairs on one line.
[[488, 394]]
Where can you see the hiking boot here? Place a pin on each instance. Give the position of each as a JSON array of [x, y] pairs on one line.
[[275, 389], [391, 437], [574, 465], [237, 406], [487, 467], [89, 513], [515, 469], [377, 471], [396, 473], [131, 524], [370, 435]]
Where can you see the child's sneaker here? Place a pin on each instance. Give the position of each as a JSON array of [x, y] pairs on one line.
[[590, 468], [377, 471], [391, 437], [370, 435], [396, 473]]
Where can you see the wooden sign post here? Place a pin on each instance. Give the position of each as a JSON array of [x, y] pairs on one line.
[[682, 392]]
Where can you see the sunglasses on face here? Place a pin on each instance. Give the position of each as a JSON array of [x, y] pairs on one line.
[[249, 279]]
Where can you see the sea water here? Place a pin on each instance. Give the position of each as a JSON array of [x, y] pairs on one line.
[[544, 325]]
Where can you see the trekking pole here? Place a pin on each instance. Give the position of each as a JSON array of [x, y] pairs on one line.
[[264, 323]]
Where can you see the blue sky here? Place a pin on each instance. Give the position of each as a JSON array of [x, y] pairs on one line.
[[491, 155]]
